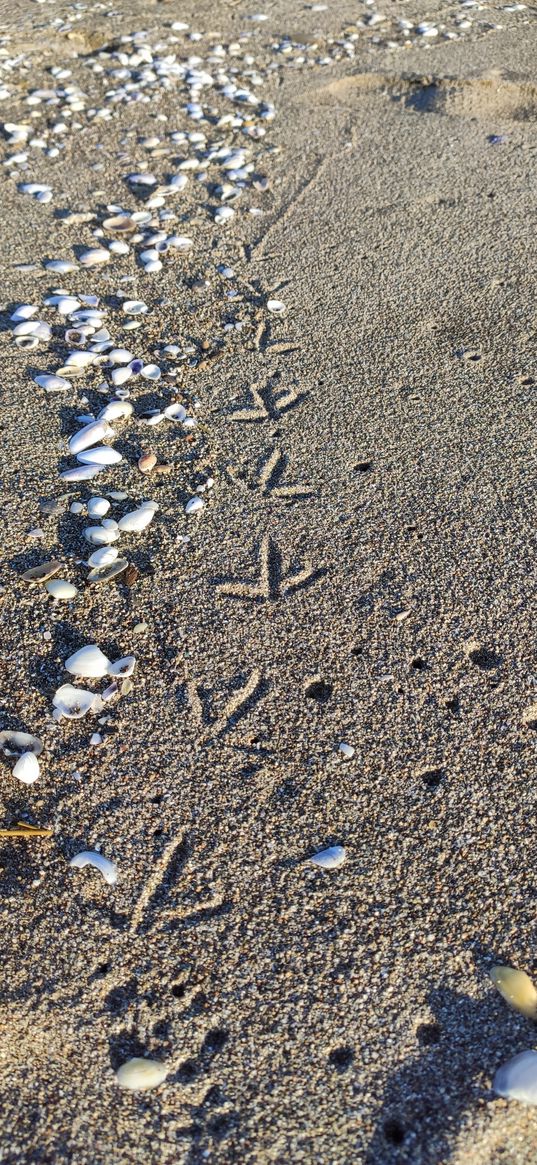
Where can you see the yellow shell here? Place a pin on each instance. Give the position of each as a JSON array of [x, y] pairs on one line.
[[517, 989]]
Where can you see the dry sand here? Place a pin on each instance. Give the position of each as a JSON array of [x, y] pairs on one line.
[[307, 1016]]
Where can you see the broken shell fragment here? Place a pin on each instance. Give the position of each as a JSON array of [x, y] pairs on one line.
[[73, 703], [194, 505], [122, 667], [517, 989], [27, 768], [89, 661], [138, 1074], [517, 1079], [42, 573], [329, 859], [103, 865]]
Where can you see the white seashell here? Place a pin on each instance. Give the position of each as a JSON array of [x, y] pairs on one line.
[[99, 455], [151, 372], [104, 556], [24, 312], [116, 410], [194, 505], [62, 266], [79, 360], [329, 859], [175, 412], [66, 304], [276, 306], [138, 1074], [133, 307], [73, 703], [27, 768], [81, 473], [122, 667], [94, 256], [224, 214], [59, 588], [52, 383], [90, 435], [179, 242], [98, 507], [106, 573], [517, 989], [121, 375], [100, 536], [31, 327], [91, 858], [346, 750], [136, 520], [17, 743], [27, 342], [89, 661], [120, 356], [517, 1080]]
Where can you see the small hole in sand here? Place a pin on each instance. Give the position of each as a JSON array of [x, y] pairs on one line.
[[319, 690], [341, 1058], [431, 778], [429, 1034], [418, 664], [363, 466], [394, 1132]]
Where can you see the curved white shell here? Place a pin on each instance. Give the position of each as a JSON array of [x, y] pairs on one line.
[[59, 588], [136, 520], [103, 865], [120, 356], [90, 435], [89, 661], [517, 1080], [115, 410], [73, 703], [123, 667], [17, 743], [517, 989], [194, 505], [133, 307], [276, 306], [52, 383], [98, 507], [175, 412], [138, 1074], [27, 768], [94, 256], [81, 473], [101, 535], [329, 859], [104, 556], [99, 455], [151, 372]]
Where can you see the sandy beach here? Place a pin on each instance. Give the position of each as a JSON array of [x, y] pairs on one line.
[[349, 359]]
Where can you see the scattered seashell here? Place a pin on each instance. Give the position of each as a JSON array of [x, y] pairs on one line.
[[81, 473], [194, 505], [27, 768], [101, 535], [147, 462], [517, 989], [89, 662], [61, 589], [98, 507], [19, 743], [94, 257], [275, 306], [120, 224], [329, 859], [517, 1079], [138, 1074], [107, 571], [151, 372], [346, 750], [116, 410], [175, 412], [122, 667], [103, 556], [90, 435], [42, 573], [134, 307], [99, 455], [103, 865], [52, 383], [136, 520], [73, 703]]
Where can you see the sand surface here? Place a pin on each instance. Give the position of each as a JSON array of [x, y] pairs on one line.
[[306, 1016]]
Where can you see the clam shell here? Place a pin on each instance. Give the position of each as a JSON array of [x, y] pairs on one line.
[[89, 661], [116, 410], [27, 768], [103, 556], [134, 307], [103, 865], [99, 455], [94, 256], [136, 520], [52, 383], [73, 703], [138, 1074], [120, 356], [17, 743], [81, 473], [517, 989], [42, 573], [120, 224], [59, 588], [194, 505], [123, 667], [108, 571], [517, 1079], [101, 535], [98, 507], [90, 435], [329, 859]]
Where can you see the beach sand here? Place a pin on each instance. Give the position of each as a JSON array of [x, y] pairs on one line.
[[307, 1016]]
